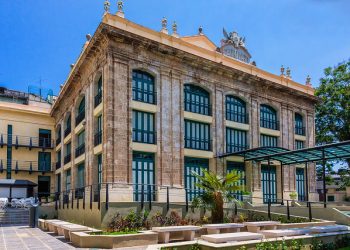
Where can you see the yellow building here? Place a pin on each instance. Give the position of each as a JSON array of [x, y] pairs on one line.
[[26, 145]]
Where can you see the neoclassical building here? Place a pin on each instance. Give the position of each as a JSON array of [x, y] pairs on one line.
[[142, 109]]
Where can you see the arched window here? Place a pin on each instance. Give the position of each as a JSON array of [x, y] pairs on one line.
[[68, 125], [268, 117], [196, 100], [143, 87], [58, 134], [236, 109], [299, 125], [80, 112], [98, 96]]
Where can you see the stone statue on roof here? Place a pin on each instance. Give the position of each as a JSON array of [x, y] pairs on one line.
[[234, 46], [233, 37]]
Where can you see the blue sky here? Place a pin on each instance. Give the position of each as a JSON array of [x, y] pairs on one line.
[[41, 38]]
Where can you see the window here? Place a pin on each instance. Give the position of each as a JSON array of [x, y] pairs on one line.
[[300, 183], [143, 88], [143, 173], [299, 144], [299, 126], [67, 157], [269, 183], [268, 141], [98, 134], [236, 110], [143, 127], [58, 157], [98, 96], [80, 144], [80, 112], [58, 183], [240, 170], [194, 165], [196, 100], [44, 161], [79, 191], [236, 140], [197, 135], [68, 180], [330, 198], [58, 135], [268, 118], [99, 169], [45, 138], [68, 126]]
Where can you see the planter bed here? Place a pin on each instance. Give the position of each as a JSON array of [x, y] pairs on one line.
[[87, 240]]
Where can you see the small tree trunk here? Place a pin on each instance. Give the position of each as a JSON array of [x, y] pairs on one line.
[[217, 213]]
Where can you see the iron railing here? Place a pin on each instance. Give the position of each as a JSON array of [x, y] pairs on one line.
[[67, 158], [142, 95], [98, 98], [198, 107], [67, 131], [80, 117], [144, 136], [198, 144], [237, 116], [234, 147], [28, 166], [98, 138], [270, 124], [299, 130], [26, 141], [80, 150]]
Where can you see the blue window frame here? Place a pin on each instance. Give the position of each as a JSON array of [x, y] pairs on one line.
[[80, 112], [268, 141], [300, 183], [99, 169], [68, 125], [68, 180], [299, 144], [269, 185], [68, 153], [143, 175], [197, 100], [236, 109], [98, 96], [80, 144], [240, 170], [143, 87], [98, 134], [299, 124], [268, 117], [44, 161], [197, 135], [9, 152], [143, 129], [194, 165], [236, 140]]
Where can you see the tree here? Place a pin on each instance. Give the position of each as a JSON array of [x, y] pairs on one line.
[[216, 191], [333, 110]]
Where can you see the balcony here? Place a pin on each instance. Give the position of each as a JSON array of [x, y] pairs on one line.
[[67, 158], [80, 117], [58, 140], [198, 107], [98, 138], [230, 148], [237, 117], [144, 136], [198, 144], [26, 141], [26, 166], [67, 131], [299, 130], [146, 96], [80, 150], [269, 124], [98, 98], [58, 165]]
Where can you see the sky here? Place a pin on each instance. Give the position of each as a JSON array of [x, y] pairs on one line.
[[40, 39]]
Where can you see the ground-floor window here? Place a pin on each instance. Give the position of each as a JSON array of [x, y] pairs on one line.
[[268, 183], [99, 169], [79, 191], [68, 180], [58, 183], [143, 176], [44, 186], [240, 169], [194, 165], [330, 198], [299, 144], [300, 183], [236, 140]]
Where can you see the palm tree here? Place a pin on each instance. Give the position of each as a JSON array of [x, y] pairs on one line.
[[216, 191]]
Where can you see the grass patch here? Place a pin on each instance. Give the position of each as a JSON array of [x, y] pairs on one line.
[[115, 233], [345, 248]]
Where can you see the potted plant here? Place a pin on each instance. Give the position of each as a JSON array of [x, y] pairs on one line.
[[293, 196]]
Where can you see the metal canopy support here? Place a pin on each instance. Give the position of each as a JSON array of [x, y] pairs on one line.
[[307, 181], [324, 179], [269, 178], [282, 184]]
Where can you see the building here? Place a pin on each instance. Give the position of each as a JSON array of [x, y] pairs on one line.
[[26, 145], [142, 109]]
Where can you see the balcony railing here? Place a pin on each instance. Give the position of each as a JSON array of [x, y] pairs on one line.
[[98, 138], [198, 144], [237, 117], [142, 95], [58, 140], [80, 150], [197, 107], [80, 117], [26, 141], [270, 124], [67, 158], [230, 148], [58, 165], [67, 131], [98, 98], [299, 130], [144, 136], [28, 166]]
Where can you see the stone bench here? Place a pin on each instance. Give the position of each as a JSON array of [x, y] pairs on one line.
[[257, 226], [164, 232], [284, 232], [328, 229], [229, 237], [56, 224], [223, 228], [49, 226], [67, 230]]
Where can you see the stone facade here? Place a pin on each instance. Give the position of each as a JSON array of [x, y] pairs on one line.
[[114, 53]]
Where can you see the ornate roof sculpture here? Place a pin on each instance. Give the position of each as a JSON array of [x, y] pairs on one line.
[[234, 46]]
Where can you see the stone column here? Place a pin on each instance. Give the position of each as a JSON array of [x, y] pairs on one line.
[[89, 136], [253, 168], [219, 139]]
